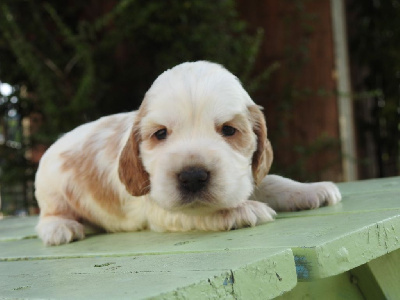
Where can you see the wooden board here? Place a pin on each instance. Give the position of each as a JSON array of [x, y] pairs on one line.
[[251, 263]]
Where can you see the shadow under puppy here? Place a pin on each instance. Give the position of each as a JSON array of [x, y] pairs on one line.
[[195, 156]]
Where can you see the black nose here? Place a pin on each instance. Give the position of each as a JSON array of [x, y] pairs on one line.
[[193, 179]]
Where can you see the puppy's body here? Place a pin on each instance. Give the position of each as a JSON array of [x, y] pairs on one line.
[[78, 177], [188, 159]]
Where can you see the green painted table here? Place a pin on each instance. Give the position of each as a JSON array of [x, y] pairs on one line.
[[348, 251]]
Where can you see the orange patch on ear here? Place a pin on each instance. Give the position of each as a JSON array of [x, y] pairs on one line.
[[131, 170], [262, 158], [242, 139]]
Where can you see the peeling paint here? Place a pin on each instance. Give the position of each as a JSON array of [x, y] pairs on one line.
[[182, 243], [302, 267], [104, 265], [229, 279], [279, 277], [343, 255], [22, 288]]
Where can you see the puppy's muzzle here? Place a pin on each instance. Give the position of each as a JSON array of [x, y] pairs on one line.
[[193, 179]]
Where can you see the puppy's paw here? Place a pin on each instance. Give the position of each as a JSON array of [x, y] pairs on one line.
[[314, 195], [56, 230], [328, 193], [250, 213]]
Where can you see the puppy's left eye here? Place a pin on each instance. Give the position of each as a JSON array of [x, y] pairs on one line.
[[161, 134], [228, 130]]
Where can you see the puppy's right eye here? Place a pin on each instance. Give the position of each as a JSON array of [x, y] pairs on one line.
[[228, 130], [161, 134]]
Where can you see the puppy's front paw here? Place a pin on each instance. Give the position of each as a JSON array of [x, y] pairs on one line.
[[314, 195], [328, 193], [56, 230], [251, 213]]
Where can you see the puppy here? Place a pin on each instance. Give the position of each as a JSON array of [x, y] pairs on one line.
[[190, 158]]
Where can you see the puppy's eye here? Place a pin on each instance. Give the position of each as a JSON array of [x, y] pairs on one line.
[[161, 134], [228, 130]]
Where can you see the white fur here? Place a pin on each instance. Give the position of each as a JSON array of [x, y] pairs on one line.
[[78, 177], [284, 194]]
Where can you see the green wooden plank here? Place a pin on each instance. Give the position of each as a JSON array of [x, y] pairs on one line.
[[360, 196], [381, 185], [354, 203], [337, 287], [379, 278], [386, 271], [323, 245], [366, 283], [17, 228], [352, 249], [325, 242], [250, 274]]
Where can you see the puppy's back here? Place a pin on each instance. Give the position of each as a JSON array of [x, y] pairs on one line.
[[87, 151]]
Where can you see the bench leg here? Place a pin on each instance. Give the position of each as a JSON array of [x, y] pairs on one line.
[[379, 278]]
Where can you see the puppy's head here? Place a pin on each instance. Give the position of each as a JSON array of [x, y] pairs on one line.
[[199, 142]]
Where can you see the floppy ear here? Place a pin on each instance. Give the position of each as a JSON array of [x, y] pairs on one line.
[[131, 170], [263, 156]]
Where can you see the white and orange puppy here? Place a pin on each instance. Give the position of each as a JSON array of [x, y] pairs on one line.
[[190, 158]]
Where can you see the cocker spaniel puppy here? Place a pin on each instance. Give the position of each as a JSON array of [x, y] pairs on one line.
[[193, 157]]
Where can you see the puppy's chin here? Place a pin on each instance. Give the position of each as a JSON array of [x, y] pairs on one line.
[[195, 209], [191, 205]]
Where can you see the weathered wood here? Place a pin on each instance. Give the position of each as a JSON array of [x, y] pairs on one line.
[[386, 271], [363, 278], [17, 228], [264, 260], [337, 287], [323, 245], [256, 274], [379, 278]]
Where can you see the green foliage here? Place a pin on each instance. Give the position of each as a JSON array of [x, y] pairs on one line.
[[375, 43], [87, 59], [81, 64]]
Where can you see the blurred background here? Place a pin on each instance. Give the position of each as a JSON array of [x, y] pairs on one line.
[[326, 71]]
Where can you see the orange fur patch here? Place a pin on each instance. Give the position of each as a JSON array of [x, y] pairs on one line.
[[130, 169], [262, 158], [88, 174], [241, 140]]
